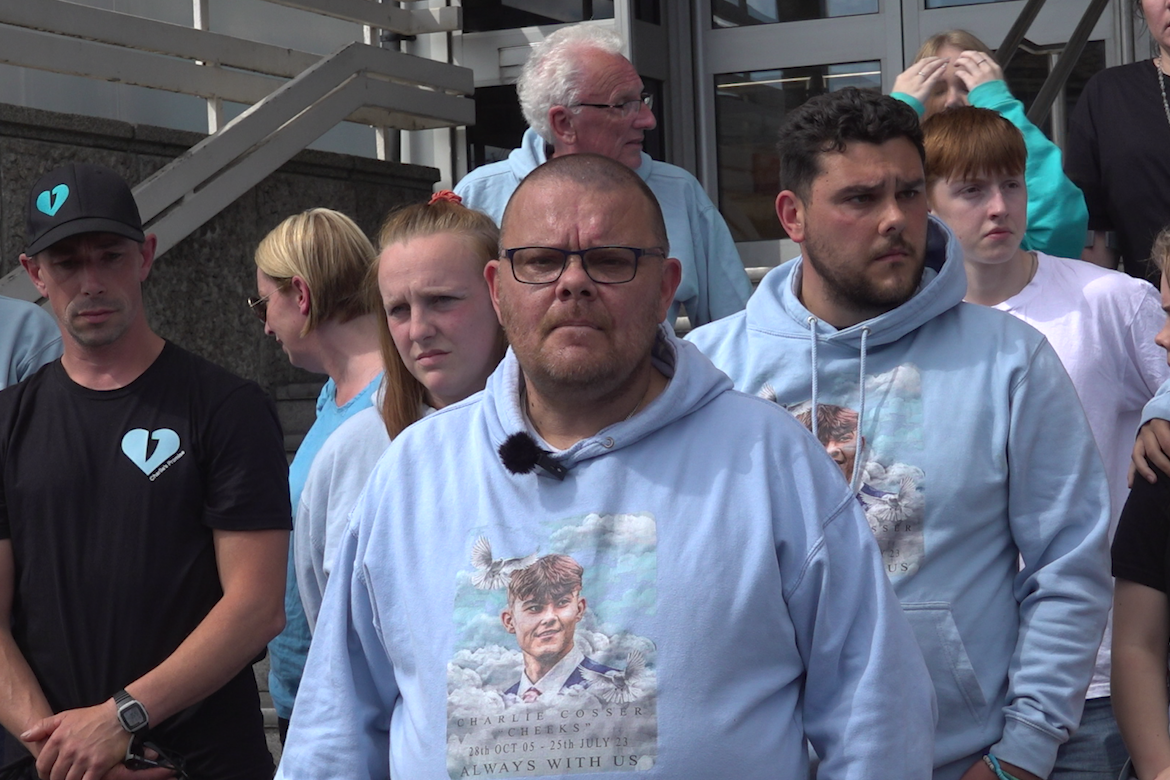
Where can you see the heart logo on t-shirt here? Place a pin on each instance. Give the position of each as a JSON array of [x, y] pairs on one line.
[[136, 442]]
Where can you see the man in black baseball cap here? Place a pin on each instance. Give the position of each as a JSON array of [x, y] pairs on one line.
[[79, 210], [144, 518]]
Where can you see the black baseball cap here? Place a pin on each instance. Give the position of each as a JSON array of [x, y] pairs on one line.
[[80, 198]]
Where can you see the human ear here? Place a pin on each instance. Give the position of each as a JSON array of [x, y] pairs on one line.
[[790, 210], [304, 295], [560, 121], [33, 269], [671, 279], [148, 247], [491, 274]]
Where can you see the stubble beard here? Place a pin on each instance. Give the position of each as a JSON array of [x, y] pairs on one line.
[[555, 373], [100, 335], [855, 290]]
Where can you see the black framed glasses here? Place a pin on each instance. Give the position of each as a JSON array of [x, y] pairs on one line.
[[627, 108], [602, 264]]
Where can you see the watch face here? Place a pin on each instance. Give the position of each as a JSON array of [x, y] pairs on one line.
[[133, 716]]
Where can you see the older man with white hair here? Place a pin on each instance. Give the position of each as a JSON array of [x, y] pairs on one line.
[[579, 94]]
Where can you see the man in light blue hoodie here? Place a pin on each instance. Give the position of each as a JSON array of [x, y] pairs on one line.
[[709, 557], [972, 451]]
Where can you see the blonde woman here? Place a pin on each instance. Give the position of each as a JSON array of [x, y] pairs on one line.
[[310, 276], [440, 340]]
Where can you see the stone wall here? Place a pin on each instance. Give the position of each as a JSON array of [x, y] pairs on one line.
[[196, 293]]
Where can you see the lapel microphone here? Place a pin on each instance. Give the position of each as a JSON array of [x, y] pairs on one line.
[[521, 454]]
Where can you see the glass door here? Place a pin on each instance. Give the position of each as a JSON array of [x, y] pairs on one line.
[[758, 59]]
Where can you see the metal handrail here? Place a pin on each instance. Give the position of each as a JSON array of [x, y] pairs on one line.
[[1058, 76], [1015, 36], [296, 97], [1056, 80]]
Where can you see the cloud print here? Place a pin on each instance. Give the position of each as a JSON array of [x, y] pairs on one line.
[[627, 532]]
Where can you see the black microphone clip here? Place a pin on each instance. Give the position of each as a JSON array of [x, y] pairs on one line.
[[521, 454]]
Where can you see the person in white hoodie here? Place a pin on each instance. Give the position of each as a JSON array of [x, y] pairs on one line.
[[1100, 322], [972, 449], [732, 598]]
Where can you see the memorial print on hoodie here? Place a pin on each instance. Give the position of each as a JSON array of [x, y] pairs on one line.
[[547, 677], [890, 491]]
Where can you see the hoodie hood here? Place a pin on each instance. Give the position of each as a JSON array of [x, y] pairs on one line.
[[776, 307], [694, 382]]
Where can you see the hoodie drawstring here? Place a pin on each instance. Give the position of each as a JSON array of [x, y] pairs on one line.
[[859, 453], [859, 442], [812, 327]]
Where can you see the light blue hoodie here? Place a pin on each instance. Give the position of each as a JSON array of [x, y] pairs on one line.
[[734, 602], [974, 452], [1158, 406], [714, 283], [29, 338]]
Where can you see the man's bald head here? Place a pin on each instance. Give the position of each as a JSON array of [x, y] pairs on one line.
[[594, 172]]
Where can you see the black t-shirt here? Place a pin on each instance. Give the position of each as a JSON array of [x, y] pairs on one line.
[[1118, 153], [110, 498], [1141, 548]]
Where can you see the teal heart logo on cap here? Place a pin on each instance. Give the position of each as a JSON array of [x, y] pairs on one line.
[[50, 201]]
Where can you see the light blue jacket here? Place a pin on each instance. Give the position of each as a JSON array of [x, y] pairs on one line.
[[974, 451], [714, 283], [1058, 219], [336, 479], [733, 591], [288, 650], [29, 338]]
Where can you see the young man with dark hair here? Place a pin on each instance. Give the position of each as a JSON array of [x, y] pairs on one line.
[[144, 519], [1101, 323], [967, 426]]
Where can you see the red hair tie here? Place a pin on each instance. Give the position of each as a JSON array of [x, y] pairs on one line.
[[446, 195]]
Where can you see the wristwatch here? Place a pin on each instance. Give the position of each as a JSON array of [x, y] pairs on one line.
[[131, 714]]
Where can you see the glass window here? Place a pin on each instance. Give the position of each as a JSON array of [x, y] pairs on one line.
[[648, 11], [749, 108], [483, 15], [741, 13], [498, 127]]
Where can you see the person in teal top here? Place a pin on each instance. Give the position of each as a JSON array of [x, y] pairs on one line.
[[954, 68], [313, 298]]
